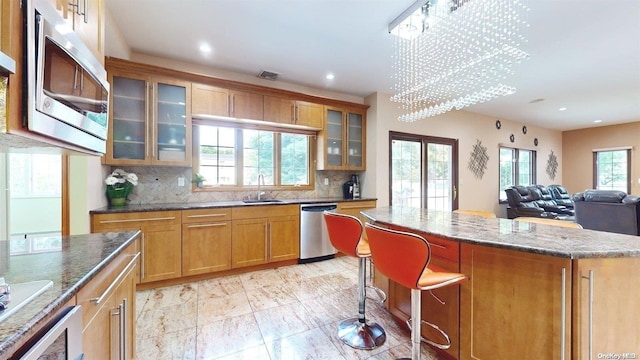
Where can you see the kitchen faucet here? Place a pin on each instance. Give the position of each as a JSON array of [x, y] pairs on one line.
[[260, 193]]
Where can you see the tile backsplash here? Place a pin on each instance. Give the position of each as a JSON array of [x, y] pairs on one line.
[[160, 185]]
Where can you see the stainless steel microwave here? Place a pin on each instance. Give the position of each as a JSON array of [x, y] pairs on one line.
[[67, 95]]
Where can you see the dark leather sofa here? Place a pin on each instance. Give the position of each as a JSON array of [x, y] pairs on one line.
[[608, 210], [561, 195], [536, 201]]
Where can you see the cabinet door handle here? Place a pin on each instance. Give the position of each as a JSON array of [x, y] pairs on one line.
[[563, 312], [115, 282], [142, 259], [86, 11], [207, 225], [205, 215], [590, 313], [123, 329], [137, 220], [116, 312], [266, 241], [75, 78]]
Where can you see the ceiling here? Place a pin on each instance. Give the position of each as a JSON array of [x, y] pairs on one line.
[[585, 54]]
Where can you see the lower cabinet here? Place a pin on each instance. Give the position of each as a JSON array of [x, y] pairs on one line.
[[206, 241], [161, 245], [517, 305], [108, 309], [263, 234], [603, 310]]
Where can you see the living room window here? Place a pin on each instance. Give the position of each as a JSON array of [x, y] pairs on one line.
[[517, 167], [611, 169], [234, 157]]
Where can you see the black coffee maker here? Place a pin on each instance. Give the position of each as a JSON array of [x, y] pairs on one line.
[[351, 188]]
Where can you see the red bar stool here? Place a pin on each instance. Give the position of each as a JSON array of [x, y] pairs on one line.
[[404, 258], [345, 233]]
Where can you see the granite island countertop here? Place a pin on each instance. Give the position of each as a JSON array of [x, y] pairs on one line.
[[215, 204], [79, 260], [510, 234]]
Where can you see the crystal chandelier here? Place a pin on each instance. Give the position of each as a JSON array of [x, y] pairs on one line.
[[450, 54]]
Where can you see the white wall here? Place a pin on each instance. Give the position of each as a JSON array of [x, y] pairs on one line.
[[467, 127], [86, 191]]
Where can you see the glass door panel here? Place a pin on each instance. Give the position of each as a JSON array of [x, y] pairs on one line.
[[171, 110], [334, 138], [406, 173], [354, 148], [129, 116], [439, 177]]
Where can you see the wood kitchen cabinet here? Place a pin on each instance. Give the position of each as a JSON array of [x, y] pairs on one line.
[[206, 240], [216, 101], [602, 308], [341, 146], [493, 325], [150, 120], [108, 309], [288, 111], [263, 234], [160, 246], [87, 19], [355, 207]]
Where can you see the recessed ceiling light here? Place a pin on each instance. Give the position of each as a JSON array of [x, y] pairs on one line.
[[597, 121], [205, 48], [562, 109], [329, 76]]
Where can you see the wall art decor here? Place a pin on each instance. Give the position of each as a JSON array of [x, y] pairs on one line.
[[524, 129], [535, 141], [512, 138], [498, 124], [552, 165], [478, 159]]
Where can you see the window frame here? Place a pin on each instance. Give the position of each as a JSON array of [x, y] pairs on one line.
[[239, 153], [515, 175], [595, 153]]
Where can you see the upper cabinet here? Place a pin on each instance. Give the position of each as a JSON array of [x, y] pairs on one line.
[[341, 146], [216, 101], [294, 112], [86, 18], [150, 121]]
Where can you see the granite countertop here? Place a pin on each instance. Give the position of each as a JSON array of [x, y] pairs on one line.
[[509, 234], [215, 204], [79, 260]]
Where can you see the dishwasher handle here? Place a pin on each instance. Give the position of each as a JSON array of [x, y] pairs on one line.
[[318, 208]]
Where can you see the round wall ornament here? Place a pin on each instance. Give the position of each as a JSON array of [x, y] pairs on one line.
[[498, 124], [535, 141], [512, 138], [524, 129]]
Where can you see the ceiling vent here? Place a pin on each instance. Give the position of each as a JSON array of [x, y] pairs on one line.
[[269, 75]]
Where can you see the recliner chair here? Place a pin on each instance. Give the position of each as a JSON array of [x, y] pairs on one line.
[[542, 195], [561, 196], [522, 203]]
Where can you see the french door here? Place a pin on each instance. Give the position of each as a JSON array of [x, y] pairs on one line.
[[423, 171]]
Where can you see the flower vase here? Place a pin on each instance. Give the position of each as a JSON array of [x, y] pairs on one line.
[[118, 196]]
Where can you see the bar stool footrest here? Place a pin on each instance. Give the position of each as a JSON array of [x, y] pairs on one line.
[[382, 296], [433, 343], [361, 335]]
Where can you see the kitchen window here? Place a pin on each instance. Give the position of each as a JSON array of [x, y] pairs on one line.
[[234, 157], [611, 169], [517, 167]]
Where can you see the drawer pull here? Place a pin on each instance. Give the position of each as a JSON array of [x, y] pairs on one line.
[[205, 215], [355, 207], [136, 220], [131, 263], [207, 225]]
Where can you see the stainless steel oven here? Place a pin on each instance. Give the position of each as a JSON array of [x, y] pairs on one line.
[[60, 339], [67, 95]]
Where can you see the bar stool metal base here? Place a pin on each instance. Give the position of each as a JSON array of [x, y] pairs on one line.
[[359, 335]]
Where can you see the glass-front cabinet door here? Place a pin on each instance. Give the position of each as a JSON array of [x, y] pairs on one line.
[[150, 122], [335, 138], [355, 135]]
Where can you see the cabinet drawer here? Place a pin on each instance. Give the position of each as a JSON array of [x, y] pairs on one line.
[[443, 248], [100, 286], [205, 215], [356, 205], [252, 211], [134, 220]]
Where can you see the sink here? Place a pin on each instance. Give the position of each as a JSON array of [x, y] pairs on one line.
[[261, 201], [21, 294]]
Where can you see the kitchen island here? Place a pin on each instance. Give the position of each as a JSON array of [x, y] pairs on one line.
[[535, 291], [79, 263]]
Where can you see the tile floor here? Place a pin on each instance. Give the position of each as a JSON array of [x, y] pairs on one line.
[[286, 313]]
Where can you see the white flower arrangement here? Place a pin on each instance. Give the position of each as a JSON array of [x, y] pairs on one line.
[[120, 183]]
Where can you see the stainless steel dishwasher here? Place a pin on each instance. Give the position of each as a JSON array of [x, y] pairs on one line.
[[314, 239]]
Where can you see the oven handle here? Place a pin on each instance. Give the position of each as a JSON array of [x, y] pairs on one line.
[[70, 322]]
